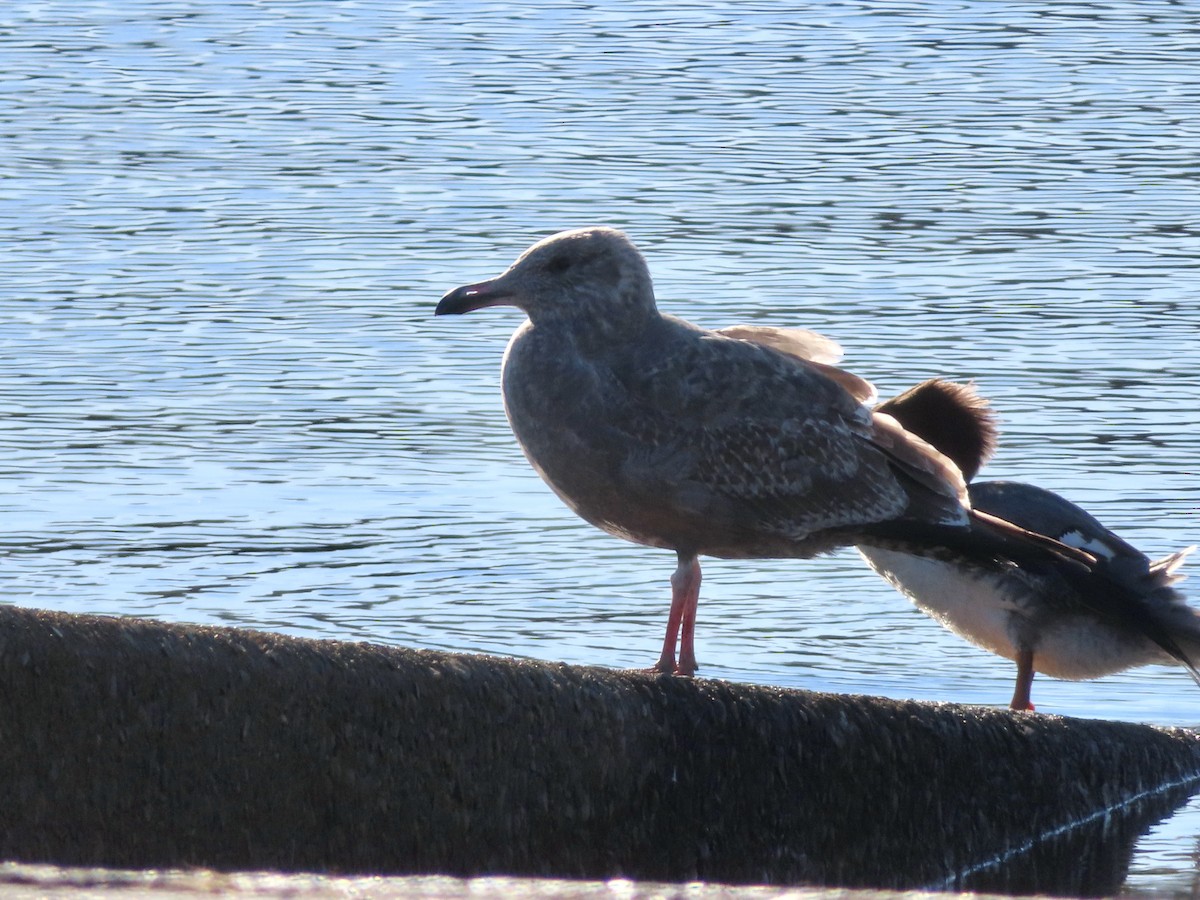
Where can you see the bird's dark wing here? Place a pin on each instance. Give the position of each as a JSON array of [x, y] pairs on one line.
[[776, 438], [911, 455]]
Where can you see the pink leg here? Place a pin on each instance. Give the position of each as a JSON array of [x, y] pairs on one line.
[[685, 592], [1020, 698], [666, 660], [691, 590]]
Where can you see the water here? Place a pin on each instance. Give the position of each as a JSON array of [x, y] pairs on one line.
[[226, 226]]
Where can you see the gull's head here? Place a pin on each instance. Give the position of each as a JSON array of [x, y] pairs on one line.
[[587, 275]]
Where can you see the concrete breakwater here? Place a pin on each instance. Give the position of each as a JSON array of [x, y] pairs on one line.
[[133, 743]]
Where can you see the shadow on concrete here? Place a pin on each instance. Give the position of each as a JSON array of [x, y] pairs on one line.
[[135, 744]]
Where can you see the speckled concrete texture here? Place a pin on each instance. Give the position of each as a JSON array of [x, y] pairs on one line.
[[27, 882], [133, 743]]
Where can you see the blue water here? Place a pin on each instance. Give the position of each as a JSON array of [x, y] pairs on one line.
[[225, 227]]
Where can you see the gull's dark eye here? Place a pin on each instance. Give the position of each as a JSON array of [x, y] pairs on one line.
[[558, 264]]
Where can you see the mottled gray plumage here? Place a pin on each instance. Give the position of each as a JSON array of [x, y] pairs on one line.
[[739, 444]]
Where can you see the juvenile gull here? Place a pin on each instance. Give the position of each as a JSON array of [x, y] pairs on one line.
[[1124, 611], [742, 444]]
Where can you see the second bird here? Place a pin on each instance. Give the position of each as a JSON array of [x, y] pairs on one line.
[[1042, 613]]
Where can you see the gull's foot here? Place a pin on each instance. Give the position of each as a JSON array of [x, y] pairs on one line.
[[668, 666], [674, 671]]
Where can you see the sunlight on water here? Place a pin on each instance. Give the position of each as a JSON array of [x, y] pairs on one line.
[[226, 227]]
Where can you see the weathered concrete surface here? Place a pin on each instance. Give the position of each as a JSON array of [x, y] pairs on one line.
[[131, 743], [32, 882], [35, 882]]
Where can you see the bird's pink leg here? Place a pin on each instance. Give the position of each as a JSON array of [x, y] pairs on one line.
[[691, 590], [1020, 698], [685, 593]]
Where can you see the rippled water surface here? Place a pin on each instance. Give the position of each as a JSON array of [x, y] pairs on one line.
[[226, 226]]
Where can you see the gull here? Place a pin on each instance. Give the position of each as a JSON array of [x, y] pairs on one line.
[[744, 443]]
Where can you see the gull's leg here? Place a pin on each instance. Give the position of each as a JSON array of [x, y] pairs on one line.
[[685, 591], [1020, 698], [691, 591]]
